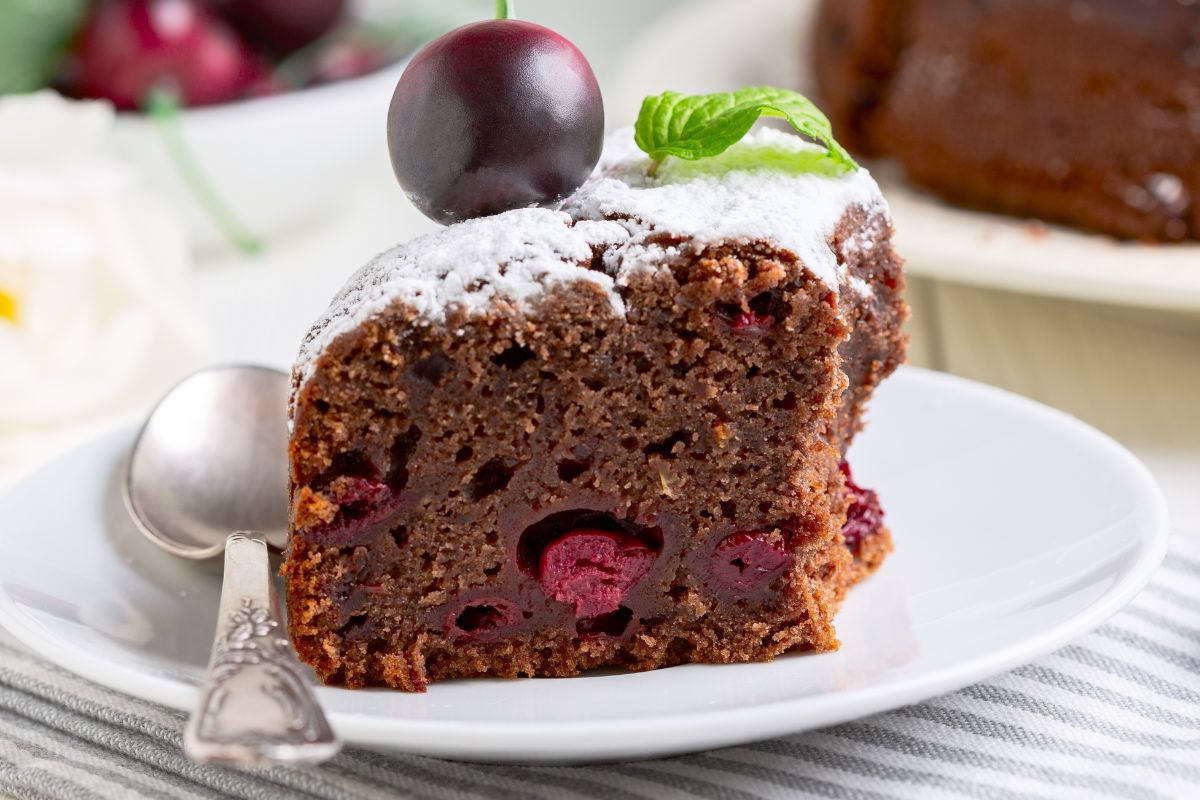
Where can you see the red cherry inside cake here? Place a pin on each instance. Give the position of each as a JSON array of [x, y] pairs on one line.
[[593, 570]]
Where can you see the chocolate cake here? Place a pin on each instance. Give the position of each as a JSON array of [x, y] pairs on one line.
[[1084, 112], [609, 435]]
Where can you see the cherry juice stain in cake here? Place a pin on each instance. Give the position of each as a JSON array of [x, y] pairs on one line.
[[748, 561], [864, 518], [619, 429]]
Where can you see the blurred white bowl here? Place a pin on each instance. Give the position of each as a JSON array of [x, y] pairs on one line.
[[276, 162]]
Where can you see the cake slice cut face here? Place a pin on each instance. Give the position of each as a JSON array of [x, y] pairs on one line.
[[612, 435]]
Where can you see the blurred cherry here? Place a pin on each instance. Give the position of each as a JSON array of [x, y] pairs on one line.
[[132, 47], [282, 26]]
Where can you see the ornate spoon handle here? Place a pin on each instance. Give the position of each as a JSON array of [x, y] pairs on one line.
[[256, 704]]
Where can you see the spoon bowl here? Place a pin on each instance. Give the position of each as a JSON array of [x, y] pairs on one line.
[[212, 458], [208, 475]]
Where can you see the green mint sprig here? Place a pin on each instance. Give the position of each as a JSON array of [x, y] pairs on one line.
[[700, 126]]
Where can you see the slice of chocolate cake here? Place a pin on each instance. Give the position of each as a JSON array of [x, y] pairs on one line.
[[1081, 112], [613, 435]]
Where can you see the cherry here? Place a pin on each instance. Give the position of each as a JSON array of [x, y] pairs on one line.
[[356, 491], [364, 504], [749, 560], [131, 47], [282, 26], [756, 318], [747, 323], [593, 570], [494, 115], [865, 516]]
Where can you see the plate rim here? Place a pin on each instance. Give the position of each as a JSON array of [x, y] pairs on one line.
[[531, 741]]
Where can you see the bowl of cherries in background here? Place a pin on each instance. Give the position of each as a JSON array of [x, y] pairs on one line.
[[251, 116]]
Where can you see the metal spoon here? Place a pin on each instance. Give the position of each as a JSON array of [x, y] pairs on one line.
[[212, 458]]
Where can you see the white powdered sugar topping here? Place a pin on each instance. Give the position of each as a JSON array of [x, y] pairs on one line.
[[472, 266], [771, 187]]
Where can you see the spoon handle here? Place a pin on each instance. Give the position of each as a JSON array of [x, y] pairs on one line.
[[256, 704]]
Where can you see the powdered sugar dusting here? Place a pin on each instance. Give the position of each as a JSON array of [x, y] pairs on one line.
[[772, 187], [470, 266], [762, 189]]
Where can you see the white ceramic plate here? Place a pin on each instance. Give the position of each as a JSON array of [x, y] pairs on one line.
[[1017, 528], [765, 41]]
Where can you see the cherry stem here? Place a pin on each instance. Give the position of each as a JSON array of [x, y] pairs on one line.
[[505, 9], [163, 109]]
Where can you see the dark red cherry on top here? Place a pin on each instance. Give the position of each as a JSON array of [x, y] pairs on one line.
[[494, 115], [130, 48]]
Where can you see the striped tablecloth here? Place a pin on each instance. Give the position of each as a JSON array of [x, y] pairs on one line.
[[1116, 714]]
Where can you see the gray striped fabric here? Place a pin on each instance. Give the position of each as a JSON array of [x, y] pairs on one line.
[[1116, 714]]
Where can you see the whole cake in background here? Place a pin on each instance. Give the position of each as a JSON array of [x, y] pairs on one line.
[[614, 434], [1083, 112]]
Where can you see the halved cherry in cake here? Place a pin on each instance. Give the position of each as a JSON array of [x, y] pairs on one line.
[[865, 516], [593, 570], [482, 619], [356, 492], [364, 504], [747, 323], [758, 317], [589, 559], [749, 560]]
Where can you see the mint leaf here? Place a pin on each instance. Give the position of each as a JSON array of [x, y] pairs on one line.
[[33, 39], [701, 126]]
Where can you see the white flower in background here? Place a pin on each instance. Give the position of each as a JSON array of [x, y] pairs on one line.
[[89, 267]]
